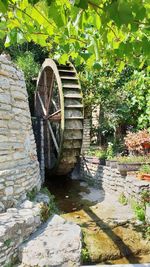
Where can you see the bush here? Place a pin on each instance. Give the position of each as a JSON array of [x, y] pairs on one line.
[[110, 151], [137, 142], [97, 152], [30, 67], [133, 159], [145, 169], [139, 210]]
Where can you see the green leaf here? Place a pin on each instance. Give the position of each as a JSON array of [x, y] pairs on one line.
[[57, 14], [85, 55], [23, 4], [97, 66], [97, 21], [139, 9], [146, 46], [63, 59], [82, 4], [3, 6], [112, 10], [125, 12], [33, 2], [121, 66]]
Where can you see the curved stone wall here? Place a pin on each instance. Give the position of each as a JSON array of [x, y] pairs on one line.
[[19, 168]]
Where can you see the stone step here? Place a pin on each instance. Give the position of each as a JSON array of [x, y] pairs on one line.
[[56, 243]]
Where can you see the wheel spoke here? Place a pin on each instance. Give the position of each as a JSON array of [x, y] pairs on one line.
[[53, 136], [45, 89], [56, 116], [42, 104], [49, 125], [48, 148], [50, 94], [54, 104]]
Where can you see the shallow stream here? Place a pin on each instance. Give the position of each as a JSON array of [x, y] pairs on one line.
[[118, 244]]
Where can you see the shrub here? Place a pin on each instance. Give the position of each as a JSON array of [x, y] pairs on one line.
[[97, 152], [110, 151], [139, 210], [137, 142], [145, 169], [47, 209], [30, 68], [133, 159]]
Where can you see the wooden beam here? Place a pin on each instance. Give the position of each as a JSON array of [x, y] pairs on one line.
[[42, 104], [53, 114], [53, 136], [49, 125], [50, 93]]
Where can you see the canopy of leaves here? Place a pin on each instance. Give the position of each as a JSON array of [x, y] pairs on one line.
[[123, 97], [89, 31]]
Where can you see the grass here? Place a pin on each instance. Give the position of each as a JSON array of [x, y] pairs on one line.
[[123, 200], [85, 257], [32, 194], [47, 209], [97, 152]]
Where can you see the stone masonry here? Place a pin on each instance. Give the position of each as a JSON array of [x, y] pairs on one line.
[[111, 180], [86, 136], [19, 168]]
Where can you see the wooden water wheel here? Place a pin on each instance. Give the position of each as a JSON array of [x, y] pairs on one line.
[[58, 102]]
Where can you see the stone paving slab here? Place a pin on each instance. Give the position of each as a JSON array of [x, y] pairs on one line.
[[56, 243], [120, 265]]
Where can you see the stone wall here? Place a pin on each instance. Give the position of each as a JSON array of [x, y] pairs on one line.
[[19, 168], [111, 180], [86, 136], [16, 225]]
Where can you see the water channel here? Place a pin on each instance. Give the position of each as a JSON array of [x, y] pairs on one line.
[[77, 202]]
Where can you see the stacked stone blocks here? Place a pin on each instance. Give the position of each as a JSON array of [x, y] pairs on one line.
[[111, 180], [19, 168]]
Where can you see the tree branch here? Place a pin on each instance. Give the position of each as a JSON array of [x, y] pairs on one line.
[[94, 5], [77, 39], [44, 17]]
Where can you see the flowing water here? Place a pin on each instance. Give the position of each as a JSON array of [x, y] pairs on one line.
[[77, 202]]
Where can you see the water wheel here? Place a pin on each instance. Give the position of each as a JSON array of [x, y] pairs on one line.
[[58, 103]]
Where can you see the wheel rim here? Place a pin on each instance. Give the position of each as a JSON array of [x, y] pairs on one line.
[[58, 102], [49, 105]]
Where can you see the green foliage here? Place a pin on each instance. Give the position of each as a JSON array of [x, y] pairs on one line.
[[145, 197], [133, 159], [30, 67], [139, 210], [110, 151], [123, 99], [122, 199], [105, 38], [8, 242], [147, 234], [85, 31], [97, 152], [145, 169], [48, 209], [85, 257], [32, 194], [9, 265]]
